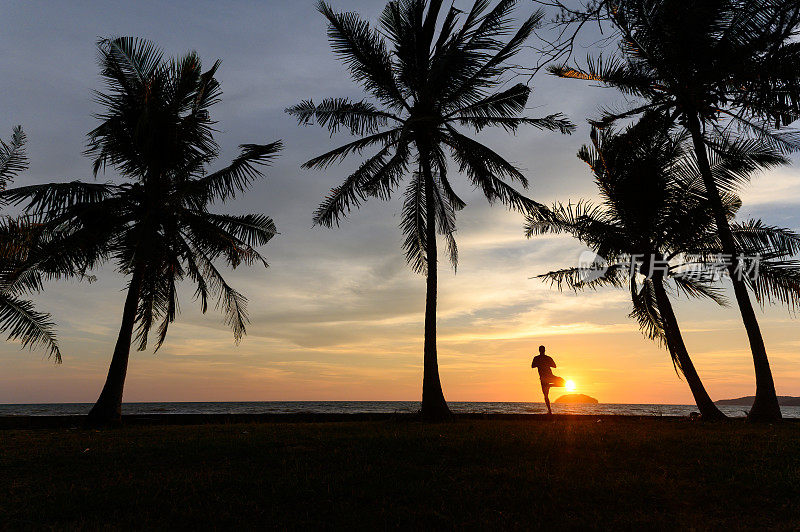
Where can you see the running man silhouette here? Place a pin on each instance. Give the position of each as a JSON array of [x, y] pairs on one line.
[[543, 363]]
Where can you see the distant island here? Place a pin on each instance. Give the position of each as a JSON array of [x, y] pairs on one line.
[[783, 400], [576, 398]]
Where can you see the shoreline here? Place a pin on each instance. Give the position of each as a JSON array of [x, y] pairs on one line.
[[77, 421]]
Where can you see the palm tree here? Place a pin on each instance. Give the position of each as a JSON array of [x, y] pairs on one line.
[[156, 226], [425, 84], [654, 225], [18, 316], [714, 66]]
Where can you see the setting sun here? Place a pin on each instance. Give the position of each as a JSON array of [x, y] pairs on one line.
[[570, 385]]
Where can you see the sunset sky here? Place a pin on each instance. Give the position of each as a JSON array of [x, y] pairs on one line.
[[338, 315]]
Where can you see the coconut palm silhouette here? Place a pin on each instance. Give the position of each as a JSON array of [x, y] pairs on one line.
[[428, 75], [156, 130], [654, 230], [714, 67]]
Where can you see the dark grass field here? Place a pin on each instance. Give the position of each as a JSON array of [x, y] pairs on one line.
[[565, 473]]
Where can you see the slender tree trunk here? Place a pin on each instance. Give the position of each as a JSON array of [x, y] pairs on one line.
[[108, 408], [434, 405], [675, 343], [765, 406]]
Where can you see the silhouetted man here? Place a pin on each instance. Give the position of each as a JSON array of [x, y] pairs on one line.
[[543, 363]]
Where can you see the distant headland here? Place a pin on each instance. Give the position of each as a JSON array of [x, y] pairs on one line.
[[576, 398], [783, 400]]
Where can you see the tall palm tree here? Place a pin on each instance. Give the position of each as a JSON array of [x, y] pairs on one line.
[[715, 66], [18, 316], [654, 226], [437, 73], [156, 226]]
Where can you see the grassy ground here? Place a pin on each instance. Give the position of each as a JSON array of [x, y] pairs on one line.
[[575, 473]]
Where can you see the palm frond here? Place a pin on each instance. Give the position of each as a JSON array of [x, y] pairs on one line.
[[613, 71], [13, 159], [486, 40], [774, 280], [233, 238], [250, 229], [700, 287], [359, 118], [236, 177], [351, 192], [56, 197], [384, 138], [384, 181], [554, 122], [734, 161], [646, 312], [365, 54], [413, 223], [600, 274], [128, 60], [446, 221], [755, 237], [232, 303], [21, 321], [507, 103], [565, 218], [481, 164]]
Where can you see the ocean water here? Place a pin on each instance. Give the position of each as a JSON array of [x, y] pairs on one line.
[[355, 407]]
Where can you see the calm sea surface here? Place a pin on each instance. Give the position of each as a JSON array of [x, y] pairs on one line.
[[353, 407]]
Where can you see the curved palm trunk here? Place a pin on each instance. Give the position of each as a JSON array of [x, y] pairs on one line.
[[108, 408], [708, 410], [765, 406], [434, 405]]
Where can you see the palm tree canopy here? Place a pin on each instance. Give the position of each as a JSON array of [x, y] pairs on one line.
[[429, 72], [718, 68], [653, 204], [156, 131], [735, 63], [18, 238]]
